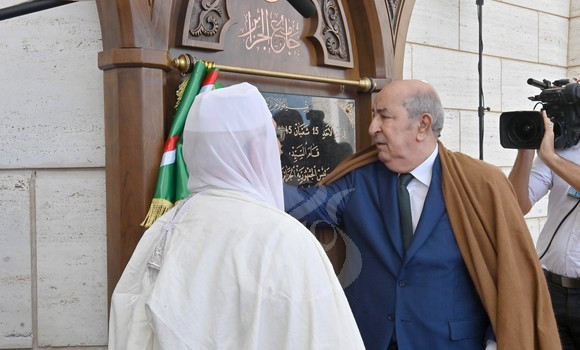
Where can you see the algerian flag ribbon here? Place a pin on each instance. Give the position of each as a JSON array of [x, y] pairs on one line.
[[171, 184], [181, 174]]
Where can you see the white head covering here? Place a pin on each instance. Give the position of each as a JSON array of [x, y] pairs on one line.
[[229, 143]]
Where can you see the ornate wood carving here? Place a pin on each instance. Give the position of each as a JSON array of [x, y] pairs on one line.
[[206, 23], [393, 7], [399, 16], [151, 4], [332, 36]]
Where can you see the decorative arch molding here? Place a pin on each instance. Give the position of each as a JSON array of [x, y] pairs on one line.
[[206, 24], [393, 8], [207, 21], [399, 15], [332, 36], [139, 86]]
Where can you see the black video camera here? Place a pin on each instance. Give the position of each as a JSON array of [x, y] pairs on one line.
[[525, 129]]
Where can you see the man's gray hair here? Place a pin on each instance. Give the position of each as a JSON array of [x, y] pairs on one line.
[[426, 101]]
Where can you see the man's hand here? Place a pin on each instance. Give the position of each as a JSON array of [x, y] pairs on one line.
[[567, 170], [546, 151]]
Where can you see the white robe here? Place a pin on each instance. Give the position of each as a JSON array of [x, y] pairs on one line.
[[236, 274]]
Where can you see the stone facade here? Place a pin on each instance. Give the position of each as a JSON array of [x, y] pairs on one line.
[[53, 273], [52, 177]]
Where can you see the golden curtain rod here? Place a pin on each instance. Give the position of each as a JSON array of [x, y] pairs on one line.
[[184, 63]]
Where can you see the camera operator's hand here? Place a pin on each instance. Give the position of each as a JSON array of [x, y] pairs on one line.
[[568, 171], [546, 151]]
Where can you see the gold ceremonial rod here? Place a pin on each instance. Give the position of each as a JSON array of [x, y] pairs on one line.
[[184, 63]]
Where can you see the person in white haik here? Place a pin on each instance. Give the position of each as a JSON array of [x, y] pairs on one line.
[[229, 269]]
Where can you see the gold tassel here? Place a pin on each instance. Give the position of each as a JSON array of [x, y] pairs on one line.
[[180, 90], [156, 210]]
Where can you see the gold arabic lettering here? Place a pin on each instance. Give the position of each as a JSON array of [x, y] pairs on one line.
[[270, 31]]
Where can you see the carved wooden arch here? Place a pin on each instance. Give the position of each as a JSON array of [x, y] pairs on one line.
[[332, 36], [139, 86], [206, 23]]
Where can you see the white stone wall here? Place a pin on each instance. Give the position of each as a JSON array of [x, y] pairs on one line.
[[521, 39], [52, 180], [574, 40], [53, 278]]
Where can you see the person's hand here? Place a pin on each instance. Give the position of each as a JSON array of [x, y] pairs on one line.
[[546, 151]]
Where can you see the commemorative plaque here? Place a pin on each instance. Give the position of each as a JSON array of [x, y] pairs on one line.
[[317, 134]]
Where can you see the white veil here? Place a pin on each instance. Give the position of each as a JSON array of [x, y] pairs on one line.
[[229, 143]]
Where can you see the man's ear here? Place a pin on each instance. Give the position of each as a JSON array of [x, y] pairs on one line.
[[425, 126]]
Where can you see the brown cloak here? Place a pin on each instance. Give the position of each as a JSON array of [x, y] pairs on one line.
[[496, 246]]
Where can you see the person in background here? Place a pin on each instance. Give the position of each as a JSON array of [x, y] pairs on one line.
[[446, 259], [228, 268], [558, 246]]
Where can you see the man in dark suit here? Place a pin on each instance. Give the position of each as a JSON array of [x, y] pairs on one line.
[[437, 238]]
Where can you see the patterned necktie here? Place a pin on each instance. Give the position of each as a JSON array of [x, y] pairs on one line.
[[405, 209]]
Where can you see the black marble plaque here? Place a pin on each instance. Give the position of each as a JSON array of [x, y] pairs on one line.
[[318, 133]]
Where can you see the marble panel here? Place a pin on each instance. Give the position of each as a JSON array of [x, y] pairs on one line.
[[450, 135], [508, 31], [435, 22], [540, 209], [408, 62], [493, 152], [555, 7], [455, 76], [505, 170], [51, 89], [534, 227], [514, 88], [15, 261], [84, 348], [574, 72], [574, 42], [574, 8], [71, 254], [553, 40]]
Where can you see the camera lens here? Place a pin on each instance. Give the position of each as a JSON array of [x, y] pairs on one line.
[[521, 129], [524, 131]]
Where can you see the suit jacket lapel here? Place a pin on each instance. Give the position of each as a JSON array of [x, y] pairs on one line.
[[433, 209], [387, 185]]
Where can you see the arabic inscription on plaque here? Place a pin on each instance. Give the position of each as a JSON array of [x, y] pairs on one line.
[[318, 133]]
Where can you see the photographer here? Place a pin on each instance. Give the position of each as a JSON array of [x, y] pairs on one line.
[[558, 246]]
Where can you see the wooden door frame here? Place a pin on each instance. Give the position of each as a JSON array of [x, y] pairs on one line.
[[136, 64]]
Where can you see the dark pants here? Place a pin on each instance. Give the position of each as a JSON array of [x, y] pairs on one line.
[[566, 304]]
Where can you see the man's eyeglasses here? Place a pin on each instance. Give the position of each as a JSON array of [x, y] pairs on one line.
[[280, 133]]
